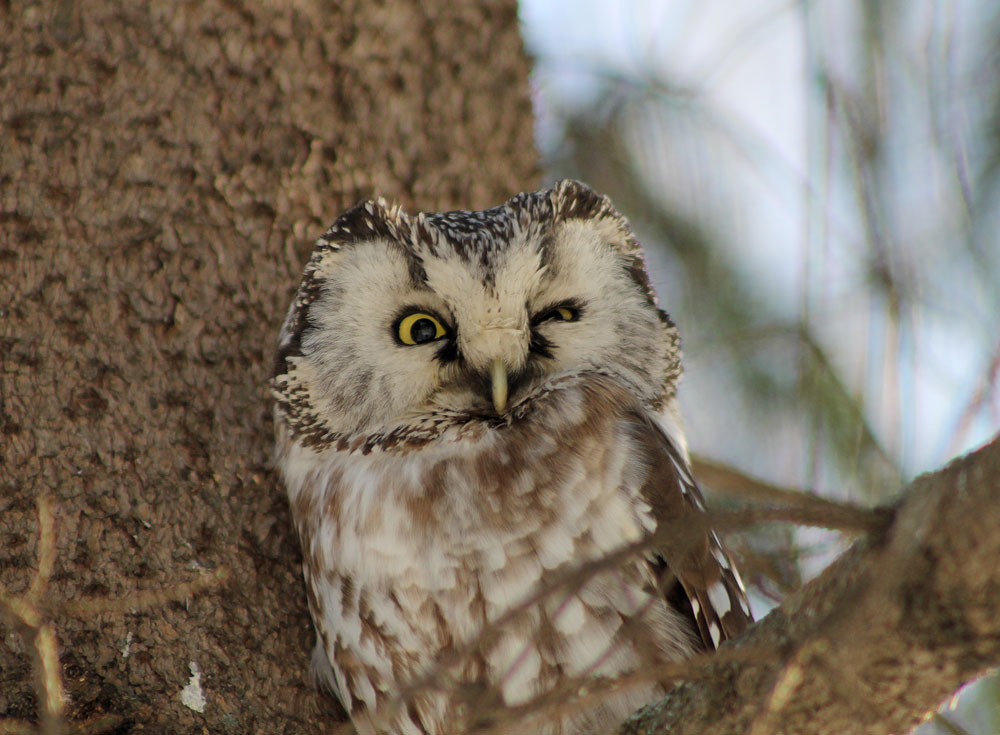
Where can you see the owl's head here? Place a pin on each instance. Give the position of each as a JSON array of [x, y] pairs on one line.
[[426, 320]]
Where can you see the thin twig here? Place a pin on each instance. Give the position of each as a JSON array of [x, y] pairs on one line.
[[146, 598], [828, 513], [46, 549], [50, 673]]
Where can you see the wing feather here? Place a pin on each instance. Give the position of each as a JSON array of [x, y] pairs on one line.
[[691, 552]]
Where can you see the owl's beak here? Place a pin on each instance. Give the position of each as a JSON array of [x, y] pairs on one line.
[[498, 380]]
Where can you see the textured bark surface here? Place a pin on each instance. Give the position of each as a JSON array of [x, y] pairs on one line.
[[164, 170], [886, 633]]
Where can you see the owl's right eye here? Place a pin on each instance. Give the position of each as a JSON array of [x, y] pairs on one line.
[[419, 328]]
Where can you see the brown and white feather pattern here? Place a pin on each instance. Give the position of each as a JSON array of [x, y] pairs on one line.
[[426, 515]]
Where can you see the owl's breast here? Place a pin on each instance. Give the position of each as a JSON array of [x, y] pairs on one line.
[[410, 554], [560, 483]]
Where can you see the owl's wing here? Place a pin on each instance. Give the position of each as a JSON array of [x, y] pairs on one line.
[[694, 556]]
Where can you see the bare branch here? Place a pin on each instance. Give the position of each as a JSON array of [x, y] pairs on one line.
[[898, 623], [50, 672], [146, 598], [839, 516], [46, 549]]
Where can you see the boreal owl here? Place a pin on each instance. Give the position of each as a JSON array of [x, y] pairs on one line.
[[473, 409]]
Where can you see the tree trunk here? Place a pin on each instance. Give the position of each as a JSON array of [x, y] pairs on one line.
[[164, 171]]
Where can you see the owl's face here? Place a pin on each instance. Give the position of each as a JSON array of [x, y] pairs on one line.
[[467, 314]]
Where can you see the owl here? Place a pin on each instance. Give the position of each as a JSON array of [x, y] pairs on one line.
[[473, 409]]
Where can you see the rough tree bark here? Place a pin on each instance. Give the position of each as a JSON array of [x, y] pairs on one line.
[[164, 170]]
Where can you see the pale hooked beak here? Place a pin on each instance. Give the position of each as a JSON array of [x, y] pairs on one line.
[[498, 379]]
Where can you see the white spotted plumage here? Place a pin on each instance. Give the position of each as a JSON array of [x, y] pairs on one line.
[[451, 485]]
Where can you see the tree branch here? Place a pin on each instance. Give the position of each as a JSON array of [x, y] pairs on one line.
[[841, 516], [898, 623]]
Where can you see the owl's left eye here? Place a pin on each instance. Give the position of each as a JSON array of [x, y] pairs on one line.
[[419, 328]]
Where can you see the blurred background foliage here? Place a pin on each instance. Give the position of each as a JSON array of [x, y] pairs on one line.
[[817, 186]]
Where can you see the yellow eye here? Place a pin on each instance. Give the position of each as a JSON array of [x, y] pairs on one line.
[[419, 328], [565, 313], [558, 314]]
